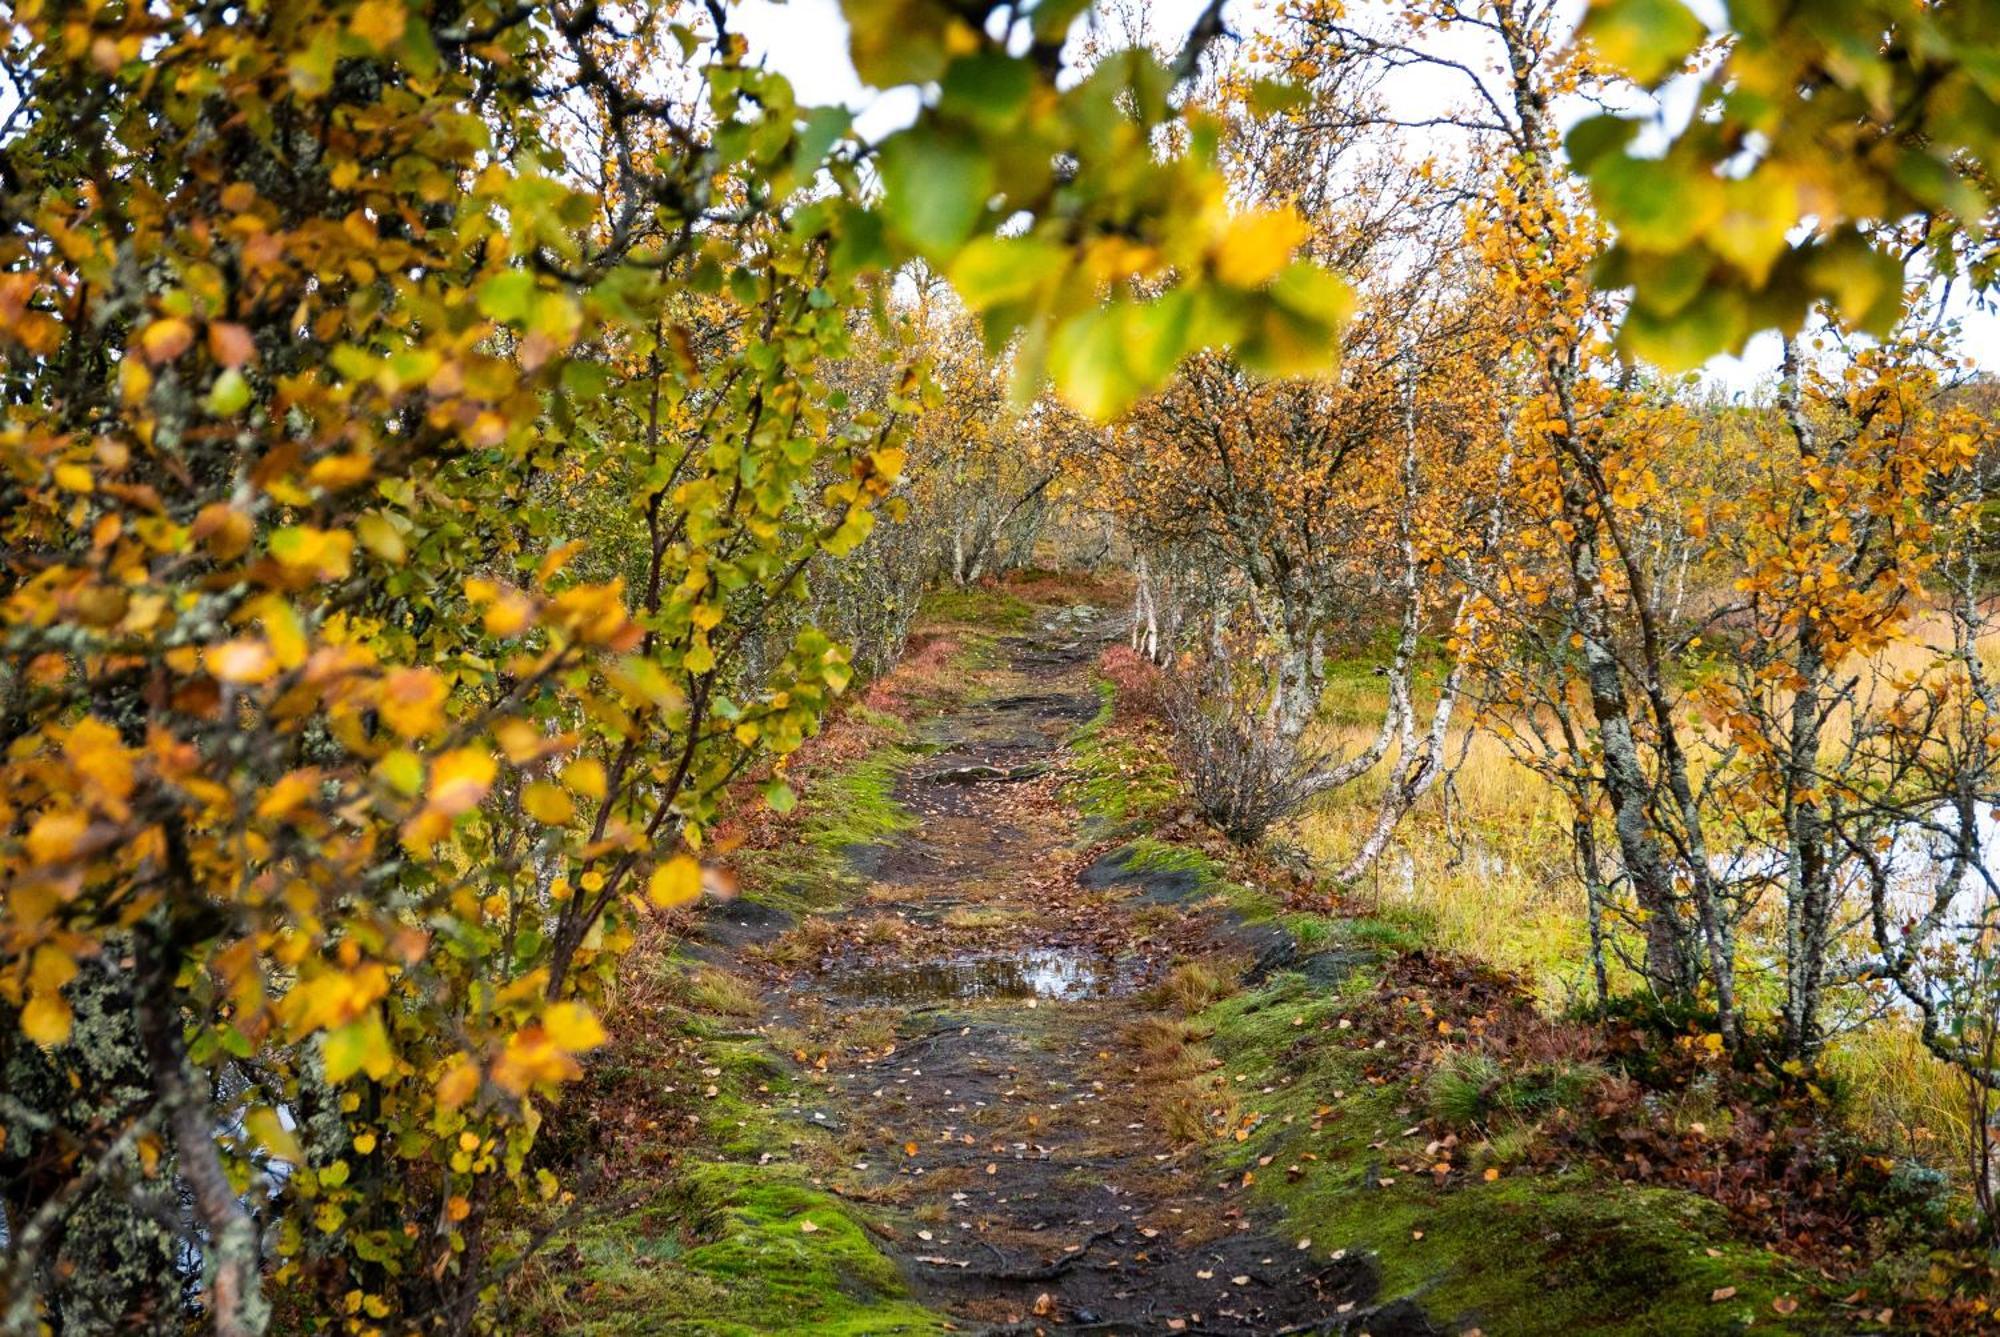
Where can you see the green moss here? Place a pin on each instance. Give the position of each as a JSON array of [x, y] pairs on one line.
[[1310, 931], [1119, 786], [727, 1251], [1249, 904], [723, 1247], [1571, 1253], [1151, 855], [977, 606], [1391, 930], [845, 808], [894, 726]]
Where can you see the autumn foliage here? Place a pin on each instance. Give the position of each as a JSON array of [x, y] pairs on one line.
[[441, 445], [421, 437]]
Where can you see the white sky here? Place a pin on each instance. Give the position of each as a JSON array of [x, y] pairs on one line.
[[806, 40]]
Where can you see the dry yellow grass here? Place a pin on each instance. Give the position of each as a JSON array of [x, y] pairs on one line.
[[1500, 887], [1901, 1094]]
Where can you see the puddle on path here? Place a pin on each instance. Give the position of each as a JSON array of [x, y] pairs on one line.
[[1053, 972]]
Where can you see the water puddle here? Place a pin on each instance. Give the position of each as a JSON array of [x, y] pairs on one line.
[[1053, 973]]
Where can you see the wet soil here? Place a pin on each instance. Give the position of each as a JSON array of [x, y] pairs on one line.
[[999, 1123]]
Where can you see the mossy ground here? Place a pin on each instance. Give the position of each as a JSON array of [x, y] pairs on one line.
[[1526, 1252], [1298, 1115], [1118, 784], [845, 809], [736, 1238], [978, 606], [726, 1226], [732, 1248]]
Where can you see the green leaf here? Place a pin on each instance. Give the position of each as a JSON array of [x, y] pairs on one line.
[[1655, 205], [988, 89], [898, 41], [507, 296], [1313, 293], [1647, 39], [229, 395], [1594, 136], [1866, 284], [823, 128], [1053, 18], [1269, 96], [992, 270], [1087, 359], [1757, 213], [359, 1046], [1716, 321], [934, 190]]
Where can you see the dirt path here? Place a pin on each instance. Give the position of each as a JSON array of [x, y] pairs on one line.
[[999, 1121], [1027, 1050]]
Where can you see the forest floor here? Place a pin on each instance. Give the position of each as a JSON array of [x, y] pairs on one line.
[[995, 1040]]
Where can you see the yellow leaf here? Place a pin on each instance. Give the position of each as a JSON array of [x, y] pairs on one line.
[[56, 836], [574, 1027], [380, 536], [165, 340], [287, 794], [547, 803], [675, 882], [103, 759], [530, 1058], [52, 968], [243, 661], [284, 630], [264, 1124], [46, 1019], [364, 1143], [379, 23], [889, 461], [459, 1083], [324, 553], [412, 702], [460, 778], [586, 777], [509, 614], [1255, 246]]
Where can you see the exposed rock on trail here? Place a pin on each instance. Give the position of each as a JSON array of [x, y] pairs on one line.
[[1028, 1184]]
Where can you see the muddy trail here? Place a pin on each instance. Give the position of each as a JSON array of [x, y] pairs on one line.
[[999, 969]]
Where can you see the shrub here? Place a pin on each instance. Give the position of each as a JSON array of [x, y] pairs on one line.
[[1243, 769]]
